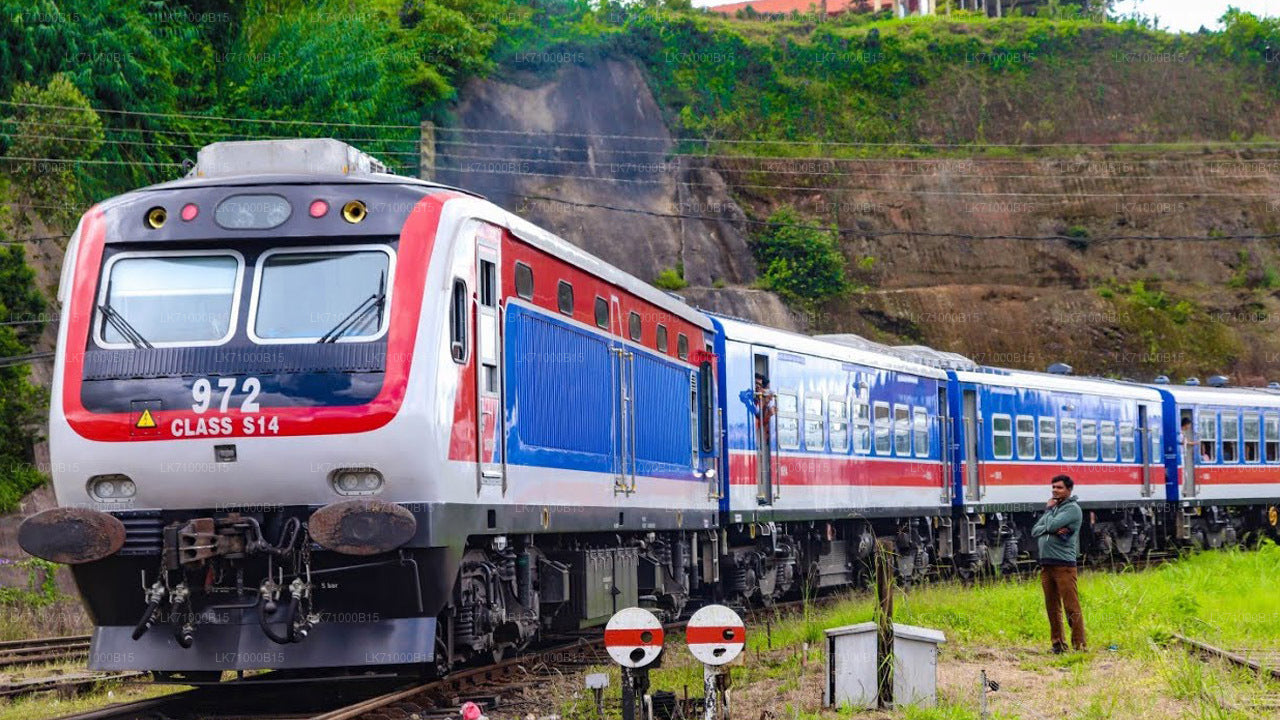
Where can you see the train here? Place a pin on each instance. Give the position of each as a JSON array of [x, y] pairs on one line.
[[308, 415]]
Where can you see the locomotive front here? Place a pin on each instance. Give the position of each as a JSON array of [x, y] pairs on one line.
[[238, 428]]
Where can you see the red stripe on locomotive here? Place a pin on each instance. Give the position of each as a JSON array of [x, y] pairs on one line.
[[417, 240]]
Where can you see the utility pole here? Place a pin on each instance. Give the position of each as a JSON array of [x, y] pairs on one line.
[[426, 150]]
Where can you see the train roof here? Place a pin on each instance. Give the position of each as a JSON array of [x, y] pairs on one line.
[[325, 161], [1032, 380], [743, 331], [565, 250], [1207, 395]]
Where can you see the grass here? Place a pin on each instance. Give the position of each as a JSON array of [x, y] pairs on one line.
[[1227, 598]]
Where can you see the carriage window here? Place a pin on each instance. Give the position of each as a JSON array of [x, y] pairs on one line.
[[662, 338], [1157, 454], [169, 300], [1252, 437], [682, 346], [813, 439], [901, 430], [564, 297], [488, 273], [633, 326], [1230, 438], [458, 322], [602, 313], [1089, 439], [1208, 437], [321, 295], [788, 423], [920, 429], [1108, 432], [1070, 442], [1001, 436], [1128, 448], [862, 426], [883, 442], [1272, 428], [524, 281], [1026, 437], [837, 414], [1048, 439]]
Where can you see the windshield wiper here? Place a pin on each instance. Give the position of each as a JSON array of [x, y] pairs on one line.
[[123, 327], [355, 317]]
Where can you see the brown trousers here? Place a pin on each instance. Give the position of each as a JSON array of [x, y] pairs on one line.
[[1059, 584]]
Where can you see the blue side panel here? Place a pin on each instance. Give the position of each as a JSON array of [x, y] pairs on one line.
[[563, 395], [560, 407], [1172, 447], [664, 421], [955, 407]]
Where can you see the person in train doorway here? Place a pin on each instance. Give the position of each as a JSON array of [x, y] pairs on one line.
[[1058, 535], [759, 402]]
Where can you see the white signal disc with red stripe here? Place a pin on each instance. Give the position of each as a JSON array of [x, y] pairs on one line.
[[716, 635], [633, 637]]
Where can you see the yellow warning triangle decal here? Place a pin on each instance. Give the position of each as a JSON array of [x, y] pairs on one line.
[[146, 421]]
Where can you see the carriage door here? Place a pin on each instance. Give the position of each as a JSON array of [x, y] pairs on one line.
[[489, 433], [944, 441], [763, 431], [1191, 451], [972, 431], [1144, 447], [624, 375]]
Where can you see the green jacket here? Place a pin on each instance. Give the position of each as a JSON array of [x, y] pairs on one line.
[[1056, 550]]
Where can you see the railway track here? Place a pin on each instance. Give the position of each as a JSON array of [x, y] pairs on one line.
[[1263, 663], [73, 682], [39, 650], [498, 686]]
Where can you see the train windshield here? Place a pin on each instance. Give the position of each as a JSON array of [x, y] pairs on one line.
[[322, 295], [179, 299]]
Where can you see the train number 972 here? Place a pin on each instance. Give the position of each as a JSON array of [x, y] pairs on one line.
[[202, 393]]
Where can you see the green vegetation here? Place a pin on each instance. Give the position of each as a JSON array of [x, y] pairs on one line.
[[671, 279], [1166, 334], [41, 589], [1252, 274], [799, 259], [22, 405], [1228, 598], [866, 79]]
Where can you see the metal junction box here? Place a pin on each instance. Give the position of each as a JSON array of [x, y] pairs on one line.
[[851, 666]]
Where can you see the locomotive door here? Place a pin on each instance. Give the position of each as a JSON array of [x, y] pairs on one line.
[[490, 435], [624, 376], [972, 431]]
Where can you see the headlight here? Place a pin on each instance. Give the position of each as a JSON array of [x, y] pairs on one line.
[[357, 481], [112, 488]]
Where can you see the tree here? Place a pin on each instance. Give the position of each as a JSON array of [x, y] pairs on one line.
[[799, 259], [51, 127]]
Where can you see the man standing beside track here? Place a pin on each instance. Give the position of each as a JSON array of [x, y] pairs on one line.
[[1058, 533]]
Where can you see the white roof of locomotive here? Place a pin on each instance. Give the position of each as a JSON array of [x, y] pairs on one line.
[[267, 161], [1031, 380], [787, 341], [1208, 395]]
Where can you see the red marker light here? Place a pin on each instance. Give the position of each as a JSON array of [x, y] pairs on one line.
[[189, 212], [319, 208]]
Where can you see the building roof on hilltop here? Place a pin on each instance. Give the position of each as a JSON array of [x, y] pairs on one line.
[[784, 7]]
